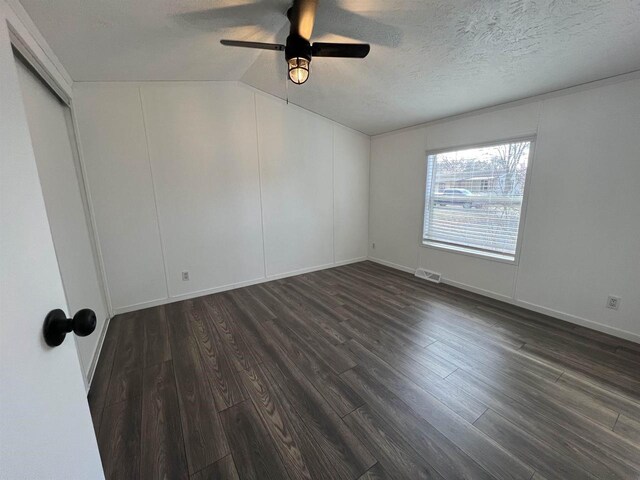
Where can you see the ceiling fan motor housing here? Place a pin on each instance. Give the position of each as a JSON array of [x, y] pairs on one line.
[[297, 47]]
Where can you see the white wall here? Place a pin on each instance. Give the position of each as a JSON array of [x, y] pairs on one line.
[[351, 154], [581, 239], [206, 178], [216, 179], [121, 191], [296, 164]]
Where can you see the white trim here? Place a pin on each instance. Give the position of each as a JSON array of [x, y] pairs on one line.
[[22, 28], [92, 215], [348, 262], [470, 252], [491, 143], [96, 356], [525, 196], [231, 286], [393, 265], [262, 226], [85, 378], [567, 317], [300, 271], [80, 169], [31, 61], [333, 192], [479, 291], [95, 252], [616, 332], [370, 241], [155, 195]]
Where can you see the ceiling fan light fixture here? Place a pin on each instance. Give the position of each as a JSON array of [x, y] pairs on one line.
[[298, 50], [298, 69]]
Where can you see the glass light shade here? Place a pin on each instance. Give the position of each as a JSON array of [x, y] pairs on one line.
[[298, 70]]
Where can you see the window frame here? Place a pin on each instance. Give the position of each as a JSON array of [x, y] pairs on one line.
[[472, 251]]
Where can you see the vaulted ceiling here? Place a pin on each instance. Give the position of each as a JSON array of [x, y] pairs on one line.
[[429, 58]]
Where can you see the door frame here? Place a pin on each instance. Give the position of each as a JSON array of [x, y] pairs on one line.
[[33, 51]]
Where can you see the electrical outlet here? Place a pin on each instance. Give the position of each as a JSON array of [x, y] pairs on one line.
[[373, 246], [185, 276], [613, 302]]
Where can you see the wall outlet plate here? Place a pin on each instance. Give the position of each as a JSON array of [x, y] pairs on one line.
[[613, 302], [185, 276]]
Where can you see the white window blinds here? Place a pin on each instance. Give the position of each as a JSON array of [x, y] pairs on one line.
[[474, 197]]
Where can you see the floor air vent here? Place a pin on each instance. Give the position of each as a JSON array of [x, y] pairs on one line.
[[428, 275]]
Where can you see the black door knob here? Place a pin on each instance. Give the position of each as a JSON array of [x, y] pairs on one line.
[[57, 325]]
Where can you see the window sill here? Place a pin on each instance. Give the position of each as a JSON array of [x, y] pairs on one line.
[[497, 257]]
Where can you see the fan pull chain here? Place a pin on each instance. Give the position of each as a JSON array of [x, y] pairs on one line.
[[286, 88]]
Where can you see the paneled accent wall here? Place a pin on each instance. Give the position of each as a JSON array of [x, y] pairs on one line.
[[215, 179]]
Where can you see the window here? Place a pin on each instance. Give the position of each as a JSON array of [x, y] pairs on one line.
[[474, 198]]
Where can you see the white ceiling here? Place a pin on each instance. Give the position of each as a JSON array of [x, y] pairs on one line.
[[429, 58]]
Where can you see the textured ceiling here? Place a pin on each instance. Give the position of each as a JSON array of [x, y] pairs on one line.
[[429, 58]]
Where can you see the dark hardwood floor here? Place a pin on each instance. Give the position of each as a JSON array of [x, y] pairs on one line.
[[362, 372]]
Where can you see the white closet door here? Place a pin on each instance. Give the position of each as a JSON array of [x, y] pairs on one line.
[[47, 118]]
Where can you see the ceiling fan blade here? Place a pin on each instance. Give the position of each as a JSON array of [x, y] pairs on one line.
[[263, 46], [346, 50], [245, 14], [360, 27], [302, 16]]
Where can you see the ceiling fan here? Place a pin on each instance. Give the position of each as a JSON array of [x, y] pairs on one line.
[[298, 50]]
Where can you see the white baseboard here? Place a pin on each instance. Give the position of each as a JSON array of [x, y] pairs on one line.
[[567, 317], [479, 291], [393, 265], [616, 332], [96, 354], [348, 262], [301, 271], [233, 286]]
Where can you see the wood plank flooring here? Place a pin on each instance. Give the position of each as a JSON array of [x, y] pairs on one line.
[[362, 372]]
